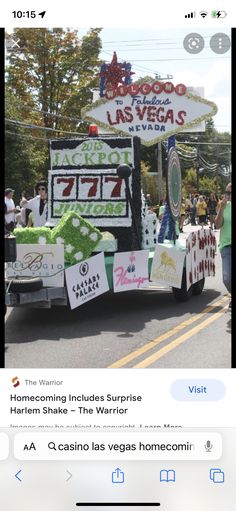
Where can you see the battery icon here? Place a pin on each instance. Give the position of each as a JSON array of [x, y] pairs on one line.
[[218, 14]]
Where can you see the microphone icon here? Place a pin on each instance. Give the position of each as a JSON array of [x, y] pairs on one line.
[[208, 446]]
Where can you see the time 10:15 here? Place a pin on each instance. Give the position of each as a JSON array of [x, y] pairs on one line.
[[24, 14]]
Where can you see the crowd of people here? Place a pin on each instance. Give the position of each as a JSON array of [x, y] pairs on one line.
[[202, 209], [199, 210], [195, 209], [31, 211]]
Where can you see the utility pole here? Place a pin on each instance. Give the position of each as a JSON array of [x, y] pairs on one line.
[[197, 169], [159, 147]]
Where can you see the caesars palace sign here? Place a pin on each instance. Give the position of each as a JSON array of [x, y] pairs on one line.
[[149, 109]]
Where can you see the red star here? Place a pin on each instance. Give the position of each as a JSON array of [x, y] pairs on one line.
[[114, 72]]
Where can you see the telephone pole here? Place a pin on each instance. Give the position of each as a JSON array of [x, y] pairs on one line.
[[197, 169]]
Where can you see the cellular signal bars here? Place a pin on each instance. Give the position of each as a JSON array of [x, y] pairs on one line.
[[191, 15]]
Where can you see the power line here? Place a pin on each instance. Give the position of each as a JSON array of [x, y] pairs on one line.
[[137, 66], [49, 114], [147, 40], [204, 143], [159, 49], [193, 58], [13, 134], [46, 140], [33, 126]]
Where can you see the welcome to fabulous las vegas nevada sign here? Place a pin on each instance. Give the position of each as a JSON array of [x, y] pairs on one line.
[[149, 109]]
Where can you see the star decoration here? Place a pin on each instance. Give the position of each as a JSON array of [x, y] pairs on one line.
[[113, 74]]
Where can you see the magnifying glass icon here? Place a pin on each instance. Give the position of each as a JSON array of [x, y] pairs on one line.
[[52, 445]]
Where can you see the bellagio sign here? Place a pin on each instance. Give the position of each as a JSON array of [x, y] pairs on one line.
[[149, 109]]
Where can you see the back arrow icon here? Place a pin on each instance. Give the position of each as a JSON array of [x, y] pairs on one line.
[[17, 474], [70, 475]]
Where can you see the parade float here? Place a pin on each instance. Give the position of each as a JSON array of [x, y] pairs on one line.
[[100, 235]]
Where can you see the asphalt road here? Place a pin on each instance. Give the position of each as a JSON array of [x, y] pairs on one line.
[[145, 328]]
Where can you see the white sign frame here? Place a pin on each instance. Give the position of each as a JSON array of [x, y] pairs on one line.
[[86, 280], [43, 261], [197, 109], [201, 265], [201, 127], [130, 270], [168, 268]]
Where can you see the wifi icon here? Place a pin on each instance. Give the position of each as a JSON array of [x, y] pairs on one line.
[[203, 14]]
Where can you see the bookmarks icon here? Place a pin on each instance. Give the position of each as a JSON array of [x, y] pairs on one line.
[[167, 476]]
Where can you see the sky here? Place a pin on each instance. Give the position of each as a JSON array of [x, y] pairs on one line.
[[161, 52]]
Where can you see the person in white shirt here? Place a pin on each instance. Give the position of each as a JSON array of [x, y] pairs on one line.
[[10, 210], [38, 205], [23, 211]]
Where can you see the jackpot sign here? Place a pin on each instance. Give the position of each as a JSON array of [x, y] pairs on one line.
[[83, 178], [149, 109]]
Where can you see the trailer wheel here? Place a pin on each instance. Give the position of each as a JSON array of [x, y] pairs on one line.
[[182, 294], [24, 285], [198, 287]]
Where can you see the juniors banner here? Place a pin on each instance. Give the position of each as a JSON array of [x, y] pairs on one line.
[[130, 270], [86, 280]]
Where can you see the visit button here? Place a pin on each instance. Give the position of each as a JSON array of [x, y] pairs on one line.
[[197, 390]]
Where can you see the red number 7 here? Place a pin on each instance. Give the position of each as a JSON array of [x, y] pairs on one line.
[[93, 189], [69, 181], [117, 188]]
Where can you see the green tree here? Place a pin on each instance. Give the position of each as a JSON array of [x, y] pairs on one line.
[[26, 158], [213, 158], [207, 185], [216, 153], [54, 72], [149, 156], [48, 80]]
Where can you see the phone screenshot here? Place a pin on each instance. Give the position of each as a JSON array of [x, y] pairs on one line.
[[117, 233]]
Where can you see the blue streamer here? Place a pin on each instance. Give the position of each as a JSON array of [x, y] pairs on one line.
[[171, 142], [164, 224]]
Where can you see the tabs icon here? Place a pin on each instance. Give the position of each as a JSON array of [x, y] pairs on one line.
[[217, 475]]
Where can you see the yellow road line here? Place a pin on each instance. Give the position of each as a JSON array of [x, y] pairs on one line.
[[172, 345], [148, 346]]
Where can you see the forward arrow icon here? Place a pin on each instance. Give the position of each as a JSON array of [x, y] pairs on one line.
[[70, 475]]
